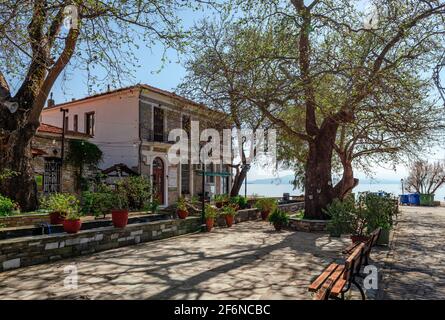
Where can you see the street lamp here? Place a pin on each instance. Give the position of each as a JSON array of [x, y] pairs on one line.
[[403, 189]]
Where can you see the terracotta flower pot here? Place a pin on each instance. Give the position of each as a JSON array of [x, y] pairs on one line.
[[120, 218], [278, 226], [72, 226], [229, 220], [355, 238], [209, 224], [182, 214], [56, 217], [264, 215]]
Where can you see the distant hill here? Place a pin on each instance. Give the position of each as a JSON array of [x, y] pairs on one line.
[[289, 178]]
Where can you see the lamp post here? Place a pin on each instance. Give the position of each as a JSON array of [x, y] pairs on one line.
[[62, 151], [203, 170], [403, 189]]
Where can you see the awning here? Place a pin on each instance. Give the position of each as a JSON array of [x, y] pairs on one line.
[[213, 174]]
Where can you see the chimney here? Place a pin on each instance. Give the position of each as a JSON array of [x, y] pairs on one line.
[[51, 102]]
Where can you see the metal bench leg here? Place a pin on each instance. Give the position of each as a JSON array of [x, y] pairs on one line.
[[360, 289]]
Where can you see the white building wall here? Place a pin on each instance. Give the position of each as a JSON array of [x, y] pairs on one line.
[[116, 125]]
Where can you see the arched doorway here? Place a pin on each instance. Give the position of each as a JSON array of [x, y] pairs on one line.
[[158, 179]]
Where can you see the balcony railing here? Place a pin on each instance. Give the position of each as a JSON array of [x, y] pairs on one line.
[[153, 136]]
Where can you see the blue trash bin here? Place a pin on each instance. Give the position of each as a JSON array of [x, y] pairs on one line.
[[414, 199], [404, 199]]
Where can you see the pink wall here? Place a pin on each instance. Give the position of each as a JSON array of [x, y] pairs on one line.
[[116, 125]]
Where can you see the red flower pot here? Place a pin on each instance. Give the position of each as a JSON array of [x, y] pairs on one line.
[[264, 215], [182, 214], [72, 226], [209, 224], [229, 220], [120, 218], [56, 217], [356, 239]]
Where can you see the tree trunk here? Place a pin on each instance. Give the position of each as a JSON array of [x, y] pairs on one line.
[[238, 181], [347, 183], [16, 155], [318, 179]]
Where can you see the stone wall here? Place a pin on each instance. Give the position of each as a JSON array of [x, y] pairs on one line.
[[26, 251], [23, 220], [307, 225]]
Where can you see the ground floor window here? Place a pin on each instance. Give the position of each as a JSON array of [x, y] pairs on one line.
[[52, 175]]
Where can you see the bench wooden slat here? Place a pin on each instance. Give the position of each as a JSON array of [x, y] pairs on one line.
[[338, 287], [330, 282], [315, 285], [350, 248]]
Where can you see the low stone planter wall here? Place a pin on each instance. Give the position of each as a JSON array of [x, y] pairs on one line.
[[307, 225], [23, 220], [26, 251]]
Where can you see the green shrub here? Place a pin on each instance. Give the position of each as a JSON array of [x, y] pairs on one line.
[[229, 210], [60, 202], [181, 204], [136, 190], [98, 203], [240, 201], [6, 206], [266, 204], [221, 198], [210, 212], [279, 217], [360, 217]]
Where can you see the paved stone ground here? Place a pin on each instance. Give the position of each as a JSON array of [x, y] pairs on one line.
[[247, 261], [414, 267]]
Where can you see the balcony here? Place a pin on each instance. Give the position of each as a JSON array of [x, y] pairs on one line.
[[161, 137]]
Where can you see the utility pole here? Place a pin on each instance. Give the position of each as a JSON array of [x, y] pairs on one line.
[[62, 153]]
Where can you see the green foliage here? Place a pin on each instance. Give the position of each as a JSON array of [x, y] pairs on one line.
[[80, 154], [266, 204], [98, 203], [221, 198], [229, 210], [279, 217], [120, 201], [60, 202], [240, 201], [194, 200], [6, 174], [181, 204], [153, 206], [6, 206], [210, 212], [361, 217], [73, 215], [136, 190]]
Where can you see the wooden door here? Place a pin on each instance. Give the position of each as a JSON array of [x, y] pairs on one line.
[[159, 179]]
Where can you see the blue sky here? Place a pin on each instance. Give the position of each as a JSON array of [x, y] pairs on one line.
[[169, 76]]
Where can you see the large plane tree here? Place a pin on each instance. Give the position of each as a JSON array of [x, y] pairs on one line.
[[346, 90]]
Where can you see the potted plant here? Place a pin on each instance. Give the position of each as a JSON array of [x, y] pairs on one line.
[[59, 205], [97, 203], [381, 212], [341, 216], [72, 222], [221, 200], [119, 213], [210, 215], [266, 206], [153, 206], [181, 208], [229, 213], [278, 218]]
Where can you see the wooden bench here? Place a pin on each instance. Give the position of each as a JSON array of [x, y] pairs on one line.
[[369, 244], [337, 279]]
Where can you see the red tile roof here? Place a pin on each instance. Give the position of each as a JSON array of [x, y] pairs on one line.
[[47, 128]]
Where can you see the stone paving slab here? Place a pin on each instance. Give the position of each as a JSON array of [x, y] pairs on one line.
[[248, 261], [414, 268]]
